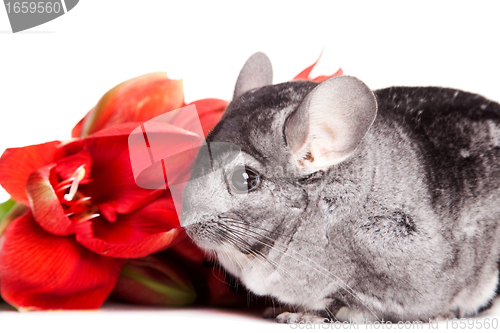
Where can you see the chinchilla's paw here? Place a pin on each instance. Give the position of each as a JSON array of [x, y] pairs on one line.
[[354, 316], [445, 315], [271, 312], [300, 317]]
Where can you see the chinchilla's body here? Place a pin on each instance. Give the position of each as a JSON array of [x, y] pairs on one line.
[[349, 204]]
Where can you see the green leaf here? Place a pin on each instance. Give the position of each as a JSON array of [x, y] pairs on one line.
[[6, 207], [10, 210]]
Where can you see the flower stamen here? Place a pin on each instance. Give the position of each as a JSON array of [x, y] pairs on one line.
[[79, 201], [77, 176], [65, 184], [86, 218]]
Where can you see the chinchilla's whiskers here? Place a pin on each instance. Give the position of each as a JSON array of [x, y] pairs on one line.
[[330, 313], [211, 256], [277, 243], [262, 275], [228, 219], [288, 249], [225, 281], [256, 254], [312, 264], [230, 239], [243, 227], [261, 256], [237, 241], [230, 257], [282, 271]]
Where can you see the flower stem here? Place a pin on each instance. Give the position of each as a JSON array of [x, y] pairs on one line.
[[180, 295]]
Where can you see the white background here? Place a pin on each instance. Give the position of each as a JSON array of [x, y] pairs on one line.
[[51, 75]]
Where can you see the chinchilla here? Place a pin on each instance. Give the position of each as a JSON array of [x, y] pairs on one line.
[[350, 204]]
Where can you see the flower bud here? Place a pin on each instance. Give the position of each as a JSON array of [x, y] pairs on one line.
[[136, 100]]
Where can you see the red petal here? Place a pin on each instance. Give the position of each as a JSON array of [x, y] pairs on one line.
[[210, 105], [66, 166], [77, 130], [68, 148], [189, 251], [16, 165], [123, 129], [304, 75], [47, 209], [114, 186], [43, 271], [219, 293], [136, 100], [150, 229], [322, 78], [210, 111]]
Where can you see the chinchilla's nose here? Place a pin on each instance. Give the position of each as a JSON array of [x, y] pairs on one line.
[[193, 212], [196, 225], [191, 217], [187, 217]]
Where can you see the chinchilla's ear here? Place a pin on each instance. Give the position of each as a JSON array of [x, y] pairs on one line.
[[330, 123], [257, 72]]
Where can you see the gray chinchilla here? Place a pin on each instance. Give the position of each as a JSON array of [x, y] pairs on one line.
[[344, 203]]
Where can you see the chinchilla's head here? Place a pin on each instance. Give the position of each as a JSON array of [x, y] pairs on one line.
[[271, 142]]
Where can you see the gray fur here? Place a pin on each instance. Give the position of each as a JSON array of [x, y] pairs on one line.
[[405, 228]]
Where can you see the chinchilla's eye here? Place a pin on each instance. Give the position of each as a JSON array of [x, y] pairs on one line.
[[244, 179]]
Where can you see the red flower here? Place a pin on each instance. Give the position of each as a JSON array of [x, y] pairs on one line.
[[87, 213]]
